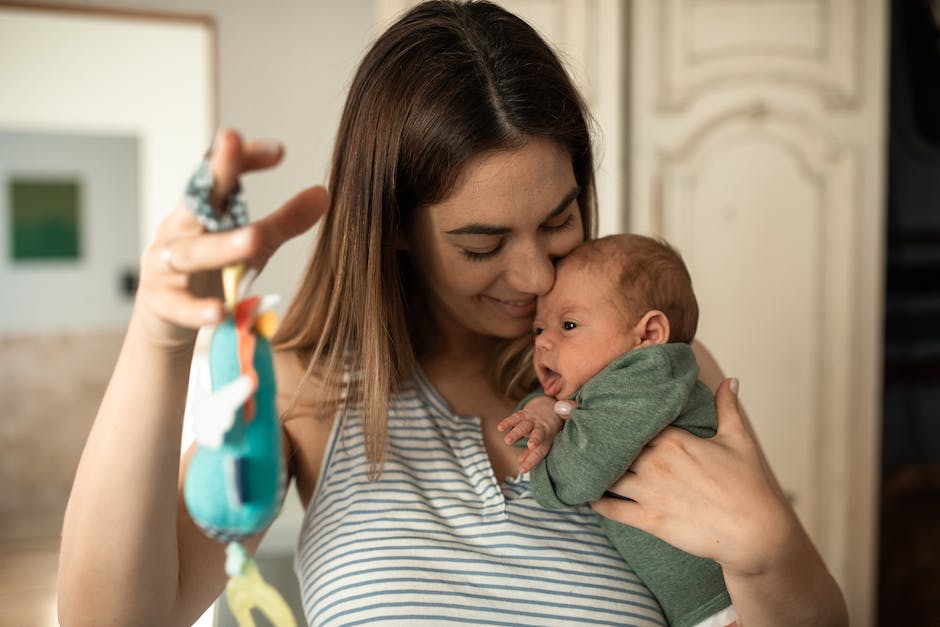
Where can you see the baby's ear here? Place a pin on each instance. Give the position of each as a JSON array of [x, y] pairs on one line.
[[653, 328]]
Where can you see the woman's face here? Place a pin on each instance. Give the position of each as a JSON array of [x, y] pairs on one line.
[[485, 253]]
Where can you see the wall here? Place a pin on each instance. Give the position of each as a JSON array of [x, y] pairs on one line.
[[283, 69], [83, 293], [282, 73], [113, 81]]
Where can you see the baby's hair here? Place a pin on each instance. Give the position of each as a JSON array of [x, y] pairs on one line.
[[650, 274]]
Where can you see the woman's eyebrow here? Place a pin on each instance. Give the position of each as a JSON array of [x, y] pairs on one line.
[[490, 229]]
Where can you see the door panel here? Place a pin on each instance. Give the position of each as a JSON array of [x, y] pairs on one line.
[[756, 146]]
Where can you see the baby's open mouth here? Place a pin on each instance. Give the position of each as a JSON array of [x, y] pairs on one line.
[[550, 380]]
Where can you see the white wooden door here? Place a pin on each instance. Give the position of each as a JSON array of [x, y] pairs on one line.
[[756, 145]]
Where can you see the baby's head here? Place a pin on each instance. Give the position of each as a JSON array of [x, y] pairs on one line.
[[611, 295]]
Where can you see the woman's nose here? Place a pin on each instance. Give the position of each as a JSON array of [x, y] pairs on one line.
[[532, 271]]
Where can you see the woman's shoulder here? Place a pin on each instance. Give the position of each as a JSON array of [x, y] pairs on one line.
[[289, 372], [305, 420], [299, 392]]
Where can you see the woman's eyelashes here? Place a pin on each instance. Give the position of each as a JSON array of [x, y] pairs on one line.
[[473, 255], [567, 222]]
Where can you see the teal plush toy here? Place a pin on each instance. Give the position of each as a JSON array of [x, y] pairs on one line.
[[234, 490], [235, 480]]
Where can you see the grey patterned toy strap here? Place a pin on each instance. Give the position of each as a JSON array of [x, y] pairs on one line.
[[198, 197]]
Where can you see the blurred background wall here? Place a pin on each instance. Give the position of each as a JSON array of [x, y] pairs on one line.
[[161, 76], [280, 70]]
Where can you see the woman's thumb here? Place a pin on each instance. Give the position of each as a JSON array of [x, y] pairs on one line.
[[299, 213], [296, 216], [726, 402]]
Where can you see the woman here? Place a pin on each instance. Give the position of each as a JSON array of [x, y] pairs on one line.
[[462, 169]]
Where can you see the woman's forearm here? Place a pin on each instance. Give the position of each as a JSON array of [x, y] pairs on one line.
[[796, 590], [119, 557]]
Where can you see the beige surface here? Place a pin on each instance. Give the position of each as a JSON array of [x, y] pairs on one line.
[[51, 387], [27, 583]]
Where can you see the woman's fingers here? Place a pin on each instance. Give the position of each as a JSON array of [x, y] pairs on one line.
[[232, 156], [204, 252], [621, 510], [733, 424], [226, 162], [180, 308], [296, 216], [177, 224], [180, 285], [261, 154], [192, 251], [731, 421]]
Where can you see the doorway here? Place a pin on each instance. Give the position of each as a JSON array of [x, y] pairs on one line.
[[909, 565]]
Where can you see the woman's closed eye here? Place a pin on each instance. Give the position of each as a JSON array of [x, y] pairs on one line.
[[559, 223], [481, 255], [554, 225]]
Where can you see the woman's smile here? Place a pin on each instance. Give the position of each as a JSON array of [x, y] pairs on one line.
[[515, 308]]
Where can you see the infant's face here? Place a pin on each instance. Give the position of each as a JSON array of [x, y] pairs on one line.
[[578, 329]]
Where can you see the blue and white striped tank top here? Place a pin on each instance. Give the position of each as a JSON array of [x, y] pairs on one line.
[[436, 540]]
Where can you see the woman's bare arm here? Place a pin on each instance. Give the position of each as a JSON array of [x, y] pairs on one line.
[[130, 554]]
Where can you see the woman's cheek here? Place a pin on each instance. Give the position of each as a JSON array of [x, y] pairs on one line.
[[569, 242]]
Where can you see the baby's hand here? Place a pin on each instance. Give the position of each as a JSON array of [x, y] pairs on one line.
[[540, 423]]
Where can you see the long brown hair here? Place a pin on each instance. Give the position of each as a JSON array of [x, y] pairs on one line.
[[446, 82]]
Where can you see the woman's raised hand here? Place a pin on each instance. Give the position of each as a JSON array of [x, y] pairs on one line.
[[180, 288]]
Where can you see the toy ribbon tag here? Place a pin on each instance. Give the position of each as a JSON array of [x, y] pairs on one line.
[[235, 481]]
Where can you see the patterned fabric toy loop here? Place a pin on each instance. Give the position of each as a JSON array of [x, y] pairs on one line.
[[198, 197]]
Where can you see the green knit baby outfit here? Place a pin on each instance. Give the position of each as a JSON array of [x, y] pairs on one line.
[[621, 409]]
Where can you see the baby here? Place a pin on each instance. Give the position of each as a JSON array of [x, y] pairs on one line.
[[613, 334]]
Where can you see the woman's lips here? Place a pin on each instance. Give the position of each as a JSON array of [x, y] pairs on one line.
[[519, 308]]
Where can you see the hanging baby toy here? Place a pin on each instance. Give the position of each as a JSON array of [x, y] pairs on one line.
[[235, 481]]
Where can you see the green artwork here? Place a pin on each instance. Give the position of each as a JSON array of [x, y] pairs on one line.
[[45, 218]]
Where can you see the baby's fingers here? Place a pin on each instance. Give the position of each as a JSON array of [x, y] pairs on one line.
[[510, 421], [532, 456], [540, 433], [522, 429]]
